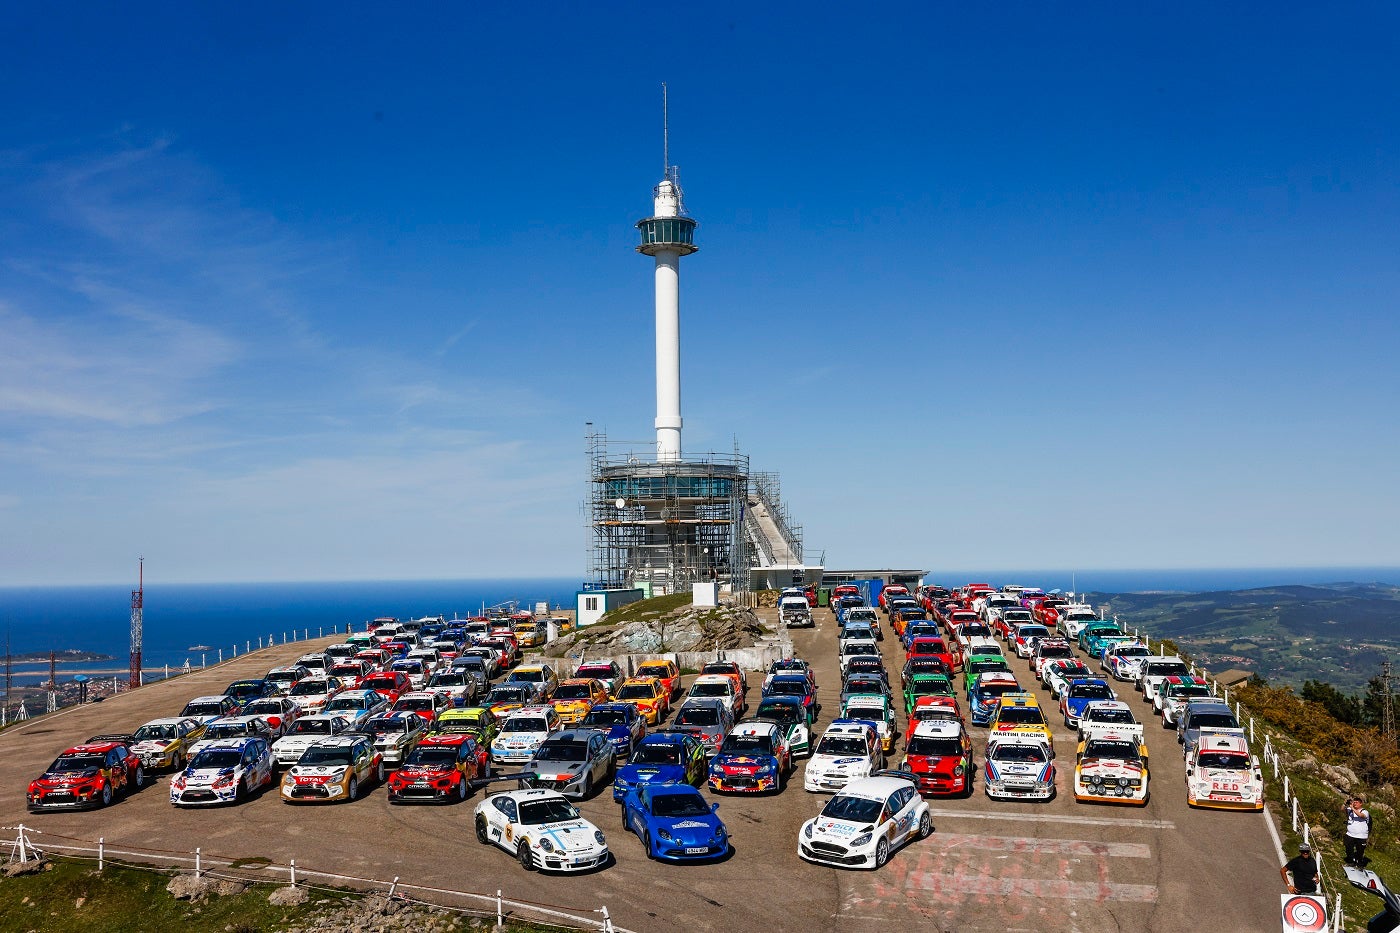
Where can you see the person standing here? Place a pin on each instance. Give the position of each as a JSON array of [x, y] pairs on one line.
[[1304, 869], [1358, 831]]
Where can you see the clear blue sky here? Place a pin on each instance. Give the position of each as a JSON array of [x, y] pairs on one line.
[[327, 291]]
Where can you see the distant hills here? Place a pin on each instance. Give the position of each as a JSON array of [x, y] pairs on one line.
[[1336, 632]]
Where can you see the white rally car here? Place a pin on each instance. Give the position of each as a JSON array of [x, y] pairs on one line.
[[1019, 767], [223, 771], [542, 829], [866, 821], [848, 750], [304, 733], [1111, 715], [1111, 767], [521, 733], [1220, 773], [1124, 662]]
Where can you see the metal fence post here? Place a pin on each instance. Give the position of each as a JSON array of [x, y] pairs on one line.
[[607, 921], [1337, 925], [196, 862], [1295, 814], [100, 851], [500, 911], [1305, 833], [1285, 790], [293, 875]]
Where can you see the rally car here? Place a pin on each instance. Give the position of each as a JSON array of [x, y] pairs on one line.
[[504, 699], [1221, 774], [521, 733], [790, 666], [621, 721], [925, 685], [336, 768], [866, 821], [1058, 673], [440, 769], [165, 743], [426, 704], [674, 822], [277, 712], [357, 705], [461, 687], [708, 719], [608, 673], [1111, 767], [87, 776], [1020, 714], [312, 693], [731, 670], [1023, 639], [753, 758], [875, 709], [573, 698], [849, 749], [985, 695], [977, 665], [668, 757], [719, 687], [792, 721], [394, 735], [542, 829], [1123, 661], [573, 762], [1114, 715], [223, 771], [209, 708], [1174, 693], [794, 685], [232, 727], [303, 734], [664, 671], [939, 754], [1019, 767], [1079, 693], [471, 720], [1047, 651], [648, 695], [933, 709], [246, 691]]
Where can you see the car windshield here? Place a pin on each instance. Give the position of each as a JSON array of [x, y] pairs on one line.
[[217, 758], [789, 688], [244, 689], [780, 666], [1214, 721], [981, 667], [534, 812], [841, 745], [1015, 615], [451, 680], [678, 805], [1090, 692], [1133, 651], [1056, 651], [1105, 748], [605, 717], [859, 648], [1225, 761], [1114, 716], [534, 677], [1171, 669], [852, 809], [77, 762], [346, 670], [1030, 631], [573, 692], [310, 688], [563, 751], [698, 716], [747, 745], [283, 677], [525, 724], [656, 753], [780, 712], [923, 688], [636, 692], [202, 709], [711, 690], [147, 733], [924, 745], [1193, 690], [1021, 716], [504, 694], [325, 757], [654, 670], [602, 672], [351, 703], [226, 730], [997, 689], [415, 704], [385, 726], [311, 727], [1031, 753]]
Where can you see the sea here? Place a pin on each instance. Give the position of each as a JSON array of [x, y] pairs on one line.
[[180, 619]]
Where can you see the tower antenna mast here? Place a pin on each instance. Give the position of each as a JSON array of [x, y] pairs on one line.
[[138, 599], [665, 133]]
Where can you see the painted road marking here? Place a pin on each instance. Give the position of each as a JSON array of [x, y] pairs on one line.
[[1050, 818], [976, 845], [1058, 888]]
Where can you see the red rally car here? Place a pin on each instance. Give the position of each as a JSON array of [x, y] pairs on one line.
[[939, 754], [440, 769], [85, 777]]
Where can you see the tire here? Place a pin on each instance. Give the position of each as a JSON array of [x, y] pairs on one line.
[[925, 826], [588, 785], [461, 790], [106, 795], [138, 780], [240, 792], [379, 775], [882, 853], [646, 844], [523, 856], [353, 791], [481, 830]]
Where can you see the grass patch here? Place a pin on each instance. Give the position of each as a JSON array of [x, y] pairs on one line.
[[644, 609]]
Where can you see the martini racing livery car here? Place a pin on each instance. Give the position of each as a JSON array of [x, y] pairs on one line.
[[1019, 767], [669, 757], [865, 822], [542, 829], [223, 771], [674, 822], [753, 758]]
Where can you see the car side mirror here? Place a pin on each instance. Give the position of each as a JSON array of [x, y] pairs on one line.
[[1190, 771], [714, 807]]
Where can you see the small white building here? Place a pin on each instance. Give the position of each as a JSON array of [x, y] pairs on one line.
[[593, 603]]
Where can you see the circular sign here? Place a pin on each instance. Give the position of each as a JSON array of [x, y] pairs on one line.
[[1304, 915]]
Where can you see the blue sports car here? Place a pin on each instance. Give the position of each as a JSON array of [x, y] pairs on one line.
[[674, 822], [662, 758], [1079, 693]]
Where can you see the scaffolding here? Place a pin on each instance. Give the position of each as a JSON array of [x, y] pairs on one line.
[[666, 525]]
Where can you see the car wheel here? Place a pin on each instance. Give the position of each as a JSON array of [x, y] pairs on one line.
[[106, 795], [646, 844], [481, 830], [379, 775], [588, 785], [353, 790], [882, 852], [925, 825], [138, 779], [461, 790], [522, 853]]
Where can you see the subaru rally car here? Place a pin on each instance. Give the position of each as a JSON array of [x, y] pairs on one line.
[[662, 757], [674, 822], [223, 771], [1078, 694]]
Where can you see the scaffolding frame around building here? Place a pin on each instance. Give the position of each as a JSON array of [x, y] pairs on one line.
[[667, 525]]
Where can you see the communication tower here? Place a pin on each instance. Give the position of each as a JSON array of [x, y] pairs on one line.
[[137, 600]]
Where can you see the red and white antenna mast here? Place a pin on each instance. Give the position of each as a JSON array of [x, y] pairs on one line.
[[137, 598]]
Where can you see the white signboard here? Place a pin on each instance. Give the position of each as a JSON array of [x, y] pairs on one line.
[[1304, 913]]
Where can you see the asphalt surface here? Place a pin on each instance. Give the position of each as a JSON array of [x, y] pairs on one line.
[[989, 865]]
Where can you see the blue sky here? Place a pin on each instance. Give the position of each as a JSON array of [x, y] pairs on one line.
[[329, 291]]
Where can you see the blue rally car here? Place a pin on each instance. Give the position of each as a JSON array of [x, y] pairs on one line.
[[662, 758], [621, 721], [674, 822], [1079, 693]]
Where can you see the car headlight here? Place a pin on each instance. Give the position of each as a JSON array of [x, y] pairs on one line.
[[598, 835], [807, 830], [862, 839], [546, 845], [1122, 782], [664, 834]]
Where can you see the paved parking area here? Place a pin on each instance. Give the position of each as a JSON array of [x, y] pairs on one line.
[[988, 866]]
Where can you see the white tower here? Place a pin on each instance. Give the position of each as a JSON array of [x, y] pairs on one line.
[[668, 235]]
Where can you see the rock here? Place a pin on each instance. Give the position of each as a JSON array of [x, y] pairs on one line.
[[228, 888], [187, 887], [288, 896], [1305, 764], [31, 867], [1339, 776]]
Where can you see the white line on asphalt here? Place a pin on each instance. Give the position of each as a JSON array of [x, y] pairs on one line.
[[951, 843], [1050, 818], [1100, 891]]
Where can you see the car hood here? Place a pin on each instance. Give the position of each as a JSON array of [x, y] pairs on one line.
[[1019, 770], [653, 774], [152, 745], [842, 762], [206, 775], [417, 772], [557, 770], [689, 830], [570, 835], [1111, 767], [933, 764], [842, 831]]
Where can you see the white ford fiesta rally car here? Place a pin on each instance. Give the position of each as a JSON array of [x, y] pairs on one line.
[[542, 829], [866, 821]]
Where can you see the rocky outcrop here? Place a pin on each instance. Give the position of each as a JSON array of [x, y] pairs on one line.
[[689, 628]]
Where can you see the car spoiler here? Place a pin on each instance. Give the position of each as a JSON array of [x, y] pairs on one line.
[[478, 783], [121, 738], [909, 776]]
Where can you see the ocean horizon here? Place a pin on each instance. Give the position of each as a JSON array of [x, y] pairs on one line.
[[96, 618]]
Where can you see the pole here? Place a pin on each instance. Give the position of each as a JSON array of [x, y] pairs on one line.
[[294, 873], [1295, 814], [500, 911], [1285, 790], [196, 862], [100, 851]]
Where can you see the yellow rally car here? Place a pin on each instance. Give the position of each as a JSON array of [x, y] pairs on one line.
[[647, 694], [664, 671], [1020, 713], [165, 743], [574, 698]]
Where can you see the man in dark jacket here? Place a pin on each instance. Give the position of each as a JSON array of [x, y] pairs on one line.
[[1304, 869]]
